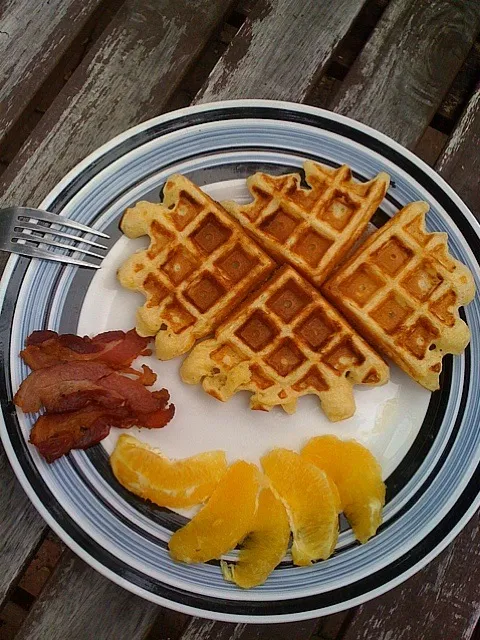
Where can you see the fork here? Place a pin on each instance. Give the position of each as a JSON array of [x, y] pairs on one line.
[[29, 232]]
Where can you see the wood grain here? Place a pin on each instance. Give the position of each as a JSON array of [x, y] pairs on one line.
[[280, 50], [79, 603], [326, 628], [210, 630], [21, 528], [32, 40], [199, 629], [442, 601], [460, 161], [408, 64], [126, 78]]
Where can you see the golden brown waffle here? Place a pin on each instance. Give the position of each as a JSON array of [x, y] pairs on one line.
[[283, 342], [401, 290], [311, 229], [199, 265]]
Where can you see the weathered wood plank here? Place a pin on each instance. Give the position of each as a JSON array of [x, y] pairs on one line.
[[33, 37], [453, 103], [460, 161], [21, 528], [209, 630], [326, 628], [127, 77], [199, 629], [408, 64], [280, 50], [442, 601], [79, 603], [283, 631]]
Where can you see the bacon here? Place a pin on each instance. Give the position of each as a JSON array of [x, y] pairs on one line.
[[74, 385], [79, 383], [134, 394], [55, 435], [42, 386], [115, 348], [157, 419], [147, 377]]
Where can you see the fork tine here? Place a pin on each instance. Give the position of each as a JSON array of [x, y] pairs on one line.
[[61, 234], [35, 252], [47, 216], [52, 243]]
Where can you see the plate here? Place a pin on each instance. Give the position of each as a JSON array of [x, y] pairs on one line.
[[428, 444]]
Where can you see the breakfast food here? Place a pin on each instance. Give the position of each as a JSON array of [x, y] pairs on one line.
[[224, 521], [358, 477], [283, 342], [310, 228], [147, 473], [199, 265], [302, 494], [310, 503], [402, 290], [83, 395], [264, 547], [115, 348]]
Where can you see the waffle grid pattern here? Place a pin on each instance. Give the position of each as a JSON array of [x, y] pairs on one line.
[[309, 228], [402, 290], [286, 341], [199, 265]]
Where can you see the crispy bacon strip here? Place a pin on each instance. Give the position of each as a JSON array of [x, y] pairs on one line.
[[115, 348], [56, 434], [73, 385], [146, 376], [43, 387]]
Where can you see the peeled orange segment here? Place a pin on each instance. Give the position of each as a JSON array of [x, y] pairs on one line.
[[264, 547], [168, 483], [311, 505], [225, 520], [358, 477]]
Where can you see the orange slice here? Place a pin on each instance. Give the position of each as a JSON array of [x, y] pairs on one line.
[[150, 475], [264, 547], [310, 503], [225, 520], [358, 477]]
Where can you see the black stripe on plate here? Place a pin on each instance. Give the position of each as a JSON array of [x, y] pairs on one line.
[[417, 453]]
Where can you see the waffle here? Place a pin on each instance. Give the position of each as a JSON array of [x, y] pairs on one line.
[[283, 342], [199, 265], [401, 290], [311, 229]]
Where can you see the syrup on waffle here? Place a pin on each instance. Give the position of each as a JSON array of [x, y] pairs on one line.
[[311, 229], [401, 290], [283, 342], [199, 265]]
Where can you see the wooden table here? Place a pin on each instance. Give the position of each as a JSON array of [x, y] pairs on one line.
[[74, 73]]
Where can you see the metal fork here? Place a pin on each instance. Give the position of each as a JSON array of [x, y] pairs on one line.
[[30, 232]]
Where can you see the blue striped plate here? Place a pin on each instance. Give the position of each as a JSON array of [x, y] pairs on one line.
[[428, 444]]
